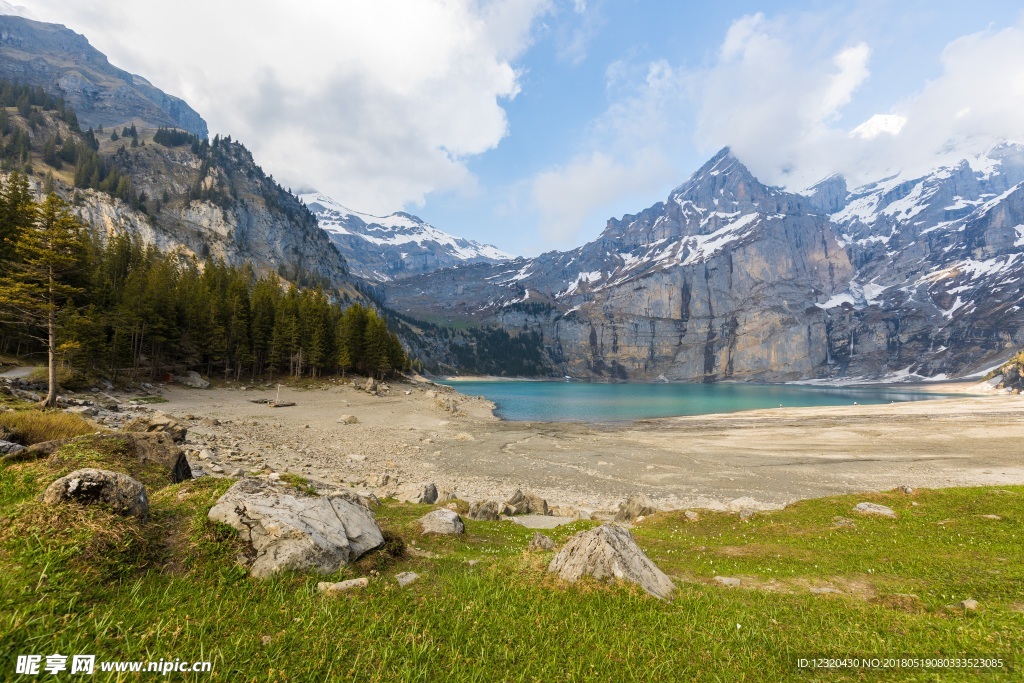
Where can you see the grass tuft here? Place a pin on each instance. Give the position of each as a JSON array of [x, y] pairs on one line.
[[34, 426]]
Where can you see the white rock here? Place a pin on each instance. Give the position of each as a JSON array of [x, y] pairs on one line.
[[446, 522], [342, 586], [417, 493], [874, 509], [348, 419], [288, 530], [405, 578], [727, 581], [609, 552], [120, 492]]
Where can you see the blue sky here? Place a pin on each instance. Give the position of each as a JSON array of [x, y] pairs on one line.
[[528, 123]]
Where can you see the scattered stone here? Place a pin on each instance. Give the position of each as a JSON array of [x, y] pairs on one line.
[[485, 511], [405, 578], [746, 514], [447, 404], [995, 517], [727, 581], [210, 422], [126, 496], [215, 468], [905, 489], [87, 411], [157, 422], [10, 447], [348, 419], [290, 531], [342, 586], [691, 516], [969, 605], [192, 379], [371, 386], [843, 522], [609, 552], [238, 473], [417, 493], [205, 454], [540, 542], [874, 509], [635, 506], [356, 457], [442, 521], [526, 504]]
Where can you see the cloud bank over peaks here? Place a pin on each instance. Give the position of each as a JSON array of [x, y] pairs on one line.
[[381, 102], [780, 109]]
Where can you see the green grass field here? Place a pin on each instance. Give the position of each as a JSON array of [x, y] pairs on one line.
[[79, 580]]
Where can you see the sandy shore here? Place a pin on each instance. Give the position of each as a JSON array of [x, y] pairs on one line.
[[763, 458]]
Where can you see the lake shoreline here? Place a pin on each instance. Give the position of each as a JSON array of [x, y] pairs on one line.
[[756, 459]]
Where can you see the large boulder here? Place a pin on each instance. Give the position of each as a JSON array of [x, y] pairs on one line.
[[287, 529], [609, 552], [446, 522], [417, 493], [526, 504], [157, 422], [485, 511], [192, 379], [119, 492], [154, 457], [637, 505]]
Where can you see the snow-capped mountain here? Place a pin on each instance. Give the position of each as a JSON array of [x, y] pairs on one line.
[[382, 248], [732, 279]]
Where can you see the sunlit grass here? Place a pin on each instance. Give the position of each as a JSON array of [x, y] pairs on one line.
[[485, 610]]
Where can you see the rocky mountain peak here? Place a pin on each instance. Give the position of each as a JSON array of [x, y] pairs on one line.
[[65, 64], [382, 248]]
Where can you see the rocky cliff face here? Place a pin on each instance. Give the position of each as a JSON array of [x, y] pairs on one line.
[[382, 248], [65, 64], [732, 280]]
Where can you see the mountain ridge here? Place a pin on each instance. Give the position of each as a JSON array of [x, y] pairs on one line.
[[382, 248]]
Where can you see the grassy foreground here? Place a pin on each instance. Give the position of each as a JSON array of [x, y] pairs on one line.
[[79, 580]]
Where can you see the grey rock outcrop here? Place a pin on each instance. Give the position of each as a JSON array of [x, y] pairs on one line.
[[444, 522], [287, 530], [904, 278], [540, 542], [609, 552], [10, 447], [417, 493], [526, 504], [89, 486], [192, 379], [485, 511], [637, 505], [157, 422]]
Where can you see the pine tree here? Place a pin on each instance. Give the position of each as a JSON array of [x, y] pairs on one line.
[[36, 285]]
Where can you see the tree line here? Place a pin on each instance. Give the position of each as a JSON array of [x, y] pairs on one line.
[[115, 307]]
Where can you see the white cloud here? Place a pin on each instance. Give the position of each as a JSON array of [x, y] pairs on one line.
[[777, 96], [627, 158], [377, 103], [571, 196]]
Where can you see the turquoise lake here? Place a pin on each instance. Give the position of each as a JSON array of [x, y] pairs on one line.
[[593, 402]]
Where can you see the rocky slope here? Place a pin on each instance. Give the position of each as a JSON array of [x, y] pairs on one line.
[[732, 280], [64, 63], [382, 248]]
